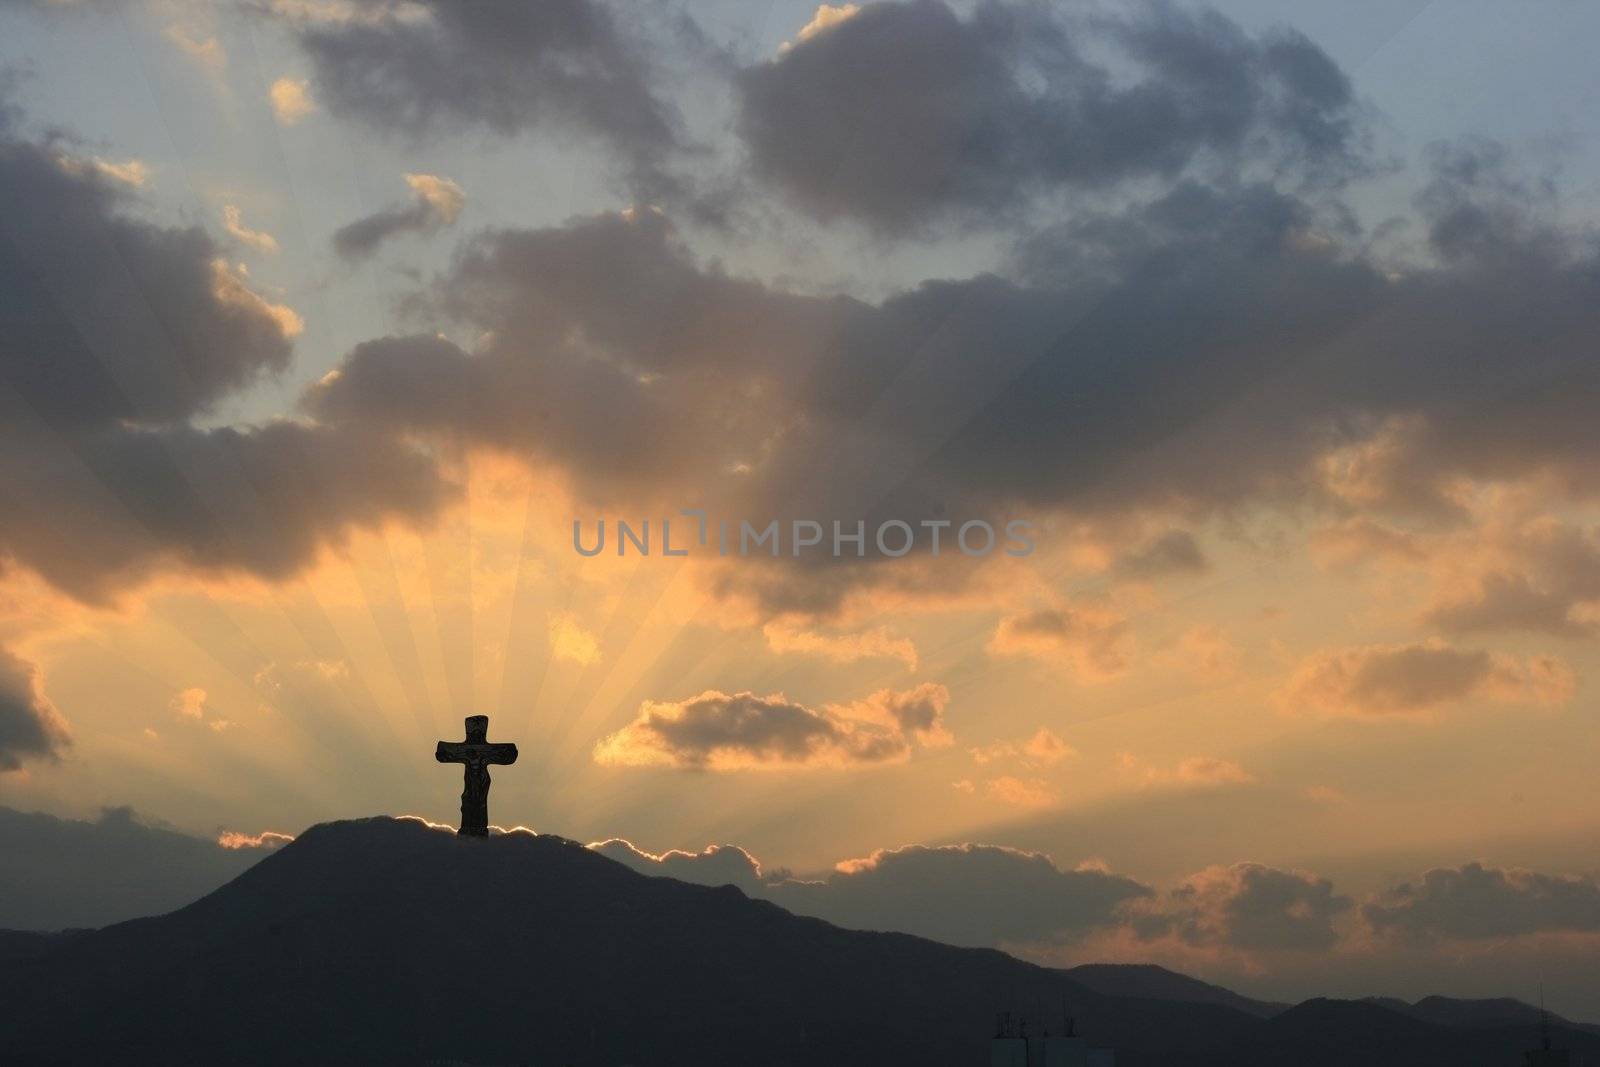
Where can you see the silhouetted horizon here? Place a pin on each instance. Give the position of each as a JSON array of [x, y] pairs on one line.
[[365, 939]]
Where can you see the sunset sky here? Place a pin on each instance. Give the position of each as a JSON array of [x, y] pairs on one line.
[[322, 321]]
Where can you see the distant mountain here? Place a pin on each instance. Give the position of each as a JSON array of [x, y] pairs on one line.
[[382, 941], [1337, 1033], [66, 872], [1157, 983], [1450, 1011]]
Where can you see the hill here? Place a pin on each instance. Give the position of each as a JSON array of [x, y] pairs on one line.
[[383, 941], [1157, 983], [1452, 1011]]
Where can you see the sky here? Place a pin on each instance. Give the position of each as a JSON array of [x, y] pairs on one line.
[[323, 322]]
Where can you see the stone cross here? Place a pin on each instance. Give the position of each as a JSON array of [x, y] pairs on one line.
[[477, 753]]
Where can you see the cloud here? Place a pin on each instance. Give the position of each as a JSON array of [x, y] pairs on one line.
[[266, 839], [1022, 792], [1191, 770], [967, 894], [435, 202], [1208, 770], [193, 704], [1225, 346], [1248, 906], [825, 17], [134, 172], [1093, 641], [571, 642], [62, 873], [1171, 552], [712, 865], [1475, 902], [123, 504], [30, 726], [1045, 748], [171, 331], [1540, 574], [428, 68], [190, 703], [233, 222], [1383, 680], [899, 114], [876, 643], [116, 334], [291, 100], [1207, 653], [206, 50], [1360, 540], [917, 712], [742, 731]]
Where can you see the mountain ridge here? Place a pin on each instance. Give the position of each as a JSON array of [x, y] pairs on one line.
[[383, 940]]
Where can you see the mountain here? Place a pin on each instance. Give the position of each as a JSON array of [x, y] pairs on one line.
[[1157, 983], [1450, 1011], [384, 941], [67, 872], [1344, 1033]]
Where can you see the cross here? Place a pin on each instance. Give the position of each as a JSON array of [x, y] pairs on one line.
[[477, 753]]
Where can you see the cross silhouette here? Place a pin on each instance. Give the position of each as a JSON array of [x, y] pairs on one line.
[[477, 753]]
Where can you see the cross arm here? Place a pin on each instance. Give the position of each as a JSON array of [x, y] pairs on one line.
[[500, 752]]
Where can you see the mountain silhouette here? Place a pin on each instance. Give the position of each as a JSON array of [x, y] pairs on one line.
[[1451, 1011], [385, 941], [1157, 983]]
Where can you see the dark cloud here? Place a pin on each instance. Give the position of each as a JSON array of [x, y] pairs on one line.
[[1209, 348], [435, 202], [62, 873], [1205, 349], [964, 895], [430, 66], [104, 317], [907, 112], [30, 726], [612, 352], [968, 894], [1474, 902], [1251, 907], [114, 334], [743, 731], [108, 507]]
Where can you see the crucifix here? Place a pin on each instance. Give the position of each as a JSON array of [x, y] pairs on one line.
[[477, 753]]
